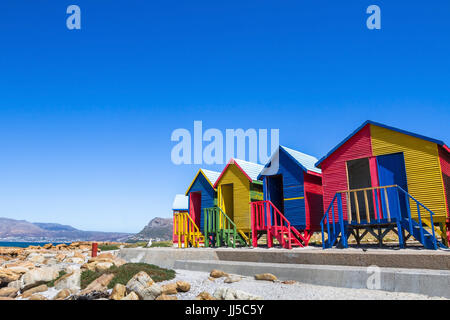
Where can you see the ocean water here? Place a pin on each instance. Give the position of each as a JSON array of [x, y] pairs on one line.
[[26, 244]]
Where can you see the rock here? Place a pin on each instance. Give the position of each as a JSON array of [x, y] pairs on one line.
[[119, 262], [233, 294], [37, 296], [205, 296], [79, 255], [30, 292], [38, 276], [183, 286], [211, 279], [50, 261], [100, 284], [218, 274], [139, 282], [7, 276], [61, 246], [6, 298], [109, 256], [131, 296], [47, 246], [144, 286], [289, 282], [119, 291], [166, 297], [70, 281], [36, 258], [89, 266], [74, 260], [15, 284], [8, 292], [232, 278], [60, 257], [93, 295], [103, 266], [170, 288], [62, 294], [265, 276]]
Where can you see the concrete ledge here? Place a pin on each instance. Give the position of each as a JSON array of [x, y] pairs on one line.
[[389, 258], [427, 282]]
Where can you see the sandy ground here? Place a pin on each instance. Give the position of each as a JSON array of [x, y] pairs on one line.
[[277, 291]]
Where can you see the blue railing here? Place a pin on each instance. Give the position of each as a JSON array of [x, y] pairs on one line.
[[385, 206]]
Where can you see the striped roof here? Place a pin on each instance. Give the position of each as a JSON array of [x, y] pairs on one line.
[[211, 176], [249, 169], [438, 142], [304, 161], [181, 202]]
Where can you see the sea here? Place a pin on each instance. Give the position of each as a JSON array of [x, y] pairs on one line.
[[27, 244]]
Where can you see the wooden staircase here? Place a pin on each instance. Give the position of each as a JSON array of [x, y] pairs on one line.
[[267, 219], [338, 228], [188, 233], [220, 230]]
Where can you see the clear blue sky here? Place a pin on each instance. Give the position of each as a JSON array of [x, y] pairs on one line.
[[86, 116]]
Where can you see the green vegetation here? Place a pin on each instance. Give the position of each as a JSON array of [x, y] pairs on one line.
[[52, 283], [124, 273], [136, 244], [109, 247], [162, 244]]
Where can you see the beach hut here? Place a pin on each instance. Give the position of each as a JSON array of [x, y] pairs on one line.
[[185, 232], [202, 194], [292, 199], [382, 178], [229, 222]]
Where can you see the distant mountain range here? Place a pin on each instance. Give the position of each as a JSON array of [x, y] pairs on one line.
[[157, 228], [22, 230]]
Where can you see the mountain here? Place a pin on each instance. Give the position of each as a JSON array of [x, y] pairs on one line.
[[156, 228], [22, 230]]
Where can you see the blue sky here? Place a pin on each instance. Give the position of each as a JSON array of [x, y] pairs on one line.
[[86, 115]]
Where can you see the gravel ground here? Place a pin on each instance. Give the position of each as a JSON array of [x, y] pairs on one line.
[[278, 291]]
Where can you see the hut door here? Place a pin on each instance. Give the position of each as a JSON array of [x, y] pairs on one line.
[[358, 178], [227, 200], [275, 191], [195, 206], [391, 170]]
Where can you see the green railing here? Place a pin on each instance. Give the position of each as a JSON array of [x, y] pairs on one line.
[[220, 230]]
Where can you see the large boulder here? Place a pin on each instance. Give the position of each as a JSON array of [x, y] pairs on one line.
[[170, 288], [131, 296], [144, 286], [36, 258], [99, 285], [63, 294], [8, 292], [30, 292], [119, 291], [183, 286], [7, 276], [233, 294], [70, 281], [38, 276]]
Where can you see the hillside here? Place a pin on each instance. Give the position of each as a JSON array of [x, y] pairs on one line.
[[22, 230], [156, 228]]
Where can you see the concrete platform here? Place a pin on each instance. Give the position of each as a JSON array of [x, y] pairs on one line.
[[434, 283], [389, 258]]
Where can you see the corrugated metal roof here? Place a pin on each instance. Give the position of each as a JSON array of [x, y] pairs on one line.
[[181, 202], [439, 142], [250, 168], [212, 176], [309, 162]]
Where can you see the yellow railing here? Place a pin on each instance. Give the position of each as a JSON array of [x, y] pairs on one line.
[[187, 231]]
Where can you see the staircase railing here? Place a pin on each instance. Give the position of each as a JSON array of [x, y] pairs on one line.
[[382, 213], [186, 230], [219, 228], [266, 217]]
